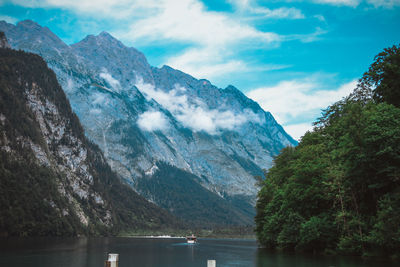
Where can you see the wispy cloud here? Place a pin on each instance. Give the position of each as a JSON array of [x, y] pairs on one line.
[[252, 8], [307, 38], [193, 113], [206, 62], [282, 12], [320, 17], [350, 3], [384, 3], [356, 3]]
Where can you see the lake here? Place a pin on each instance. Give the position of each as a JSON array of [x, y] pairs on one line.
[[157, 252]]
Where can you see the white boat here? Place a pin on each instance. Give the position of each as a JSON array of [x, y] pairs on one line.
[[191, 239]]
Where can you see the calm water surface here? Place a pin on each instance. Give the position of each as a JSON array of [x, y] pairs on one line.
[[143, 252]]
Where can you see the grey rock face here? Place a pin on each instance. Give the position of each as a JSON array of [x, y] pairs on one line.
[[50, 170], [3, 41], [141, 115], [69, 156], [52, 137]]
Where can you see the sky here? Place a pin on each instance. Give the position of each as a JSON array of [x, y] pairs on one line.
[[293, 57]]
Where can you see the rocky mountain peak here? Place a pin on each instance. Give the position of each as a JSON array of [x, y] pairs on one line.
[[106, 35], [33, 35], [29, 24], [104, 40], [3, 41], [157, 125], [167, 68], [116, 59], [42, 143], [234, 91]]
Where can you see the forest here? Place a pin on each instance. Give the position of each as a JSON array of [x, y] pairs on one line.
[[338, 191], [30, 200]]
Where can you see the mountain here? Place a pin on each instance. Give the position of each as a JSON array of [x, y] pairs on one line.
[[53, 180], [153, 122]]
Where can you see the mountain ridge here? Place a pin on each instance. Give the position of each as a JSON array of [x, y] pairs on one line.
[[53, 181], [140, 115]]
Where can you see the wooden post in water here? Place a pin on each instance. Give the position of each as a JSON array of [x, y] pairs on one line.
[[112, 260], [211, 263]]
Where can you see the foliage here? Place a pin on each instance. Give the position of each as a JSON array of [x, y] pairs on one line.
[[383, 75], [339, 189], [31, 202], [178, 192]]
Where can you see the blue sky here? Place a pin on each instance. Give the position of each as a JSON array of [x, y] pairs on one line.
[[294, 57]]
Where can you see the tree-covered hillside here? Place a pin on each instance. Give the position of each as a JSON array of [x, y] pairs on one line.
[[338, 191], [199, 207], [53, 181]]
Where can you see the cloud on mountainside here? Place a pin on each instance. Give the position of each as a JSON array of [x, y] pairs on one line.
[[114, 83], [241, 38], [152, 121], [290, 101], [194, 114]]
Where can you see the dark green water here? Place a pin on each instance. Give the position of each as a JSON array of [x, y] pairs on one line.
[[143, 252]]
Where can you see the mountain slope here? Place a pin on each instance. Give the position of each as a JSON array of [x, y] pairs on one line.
[[53, 181], [142, 117]]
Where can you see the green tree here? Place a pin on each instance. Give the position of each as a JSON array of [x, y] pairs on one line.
[[383, 76], [339, 189]]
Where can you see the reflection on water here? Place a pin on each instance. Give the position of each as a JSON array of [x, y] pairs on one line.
[[271, 258], [91, 252]]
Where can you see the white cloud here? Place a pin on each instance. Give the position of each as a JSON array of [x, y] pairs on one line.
[[114, 83], [246, 6], [292, 102], [189, 21], [297, 130], [152, 121], [384, 3], [110, 8], [193, 113], [350, 3], [206, 62], [214, 37]]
